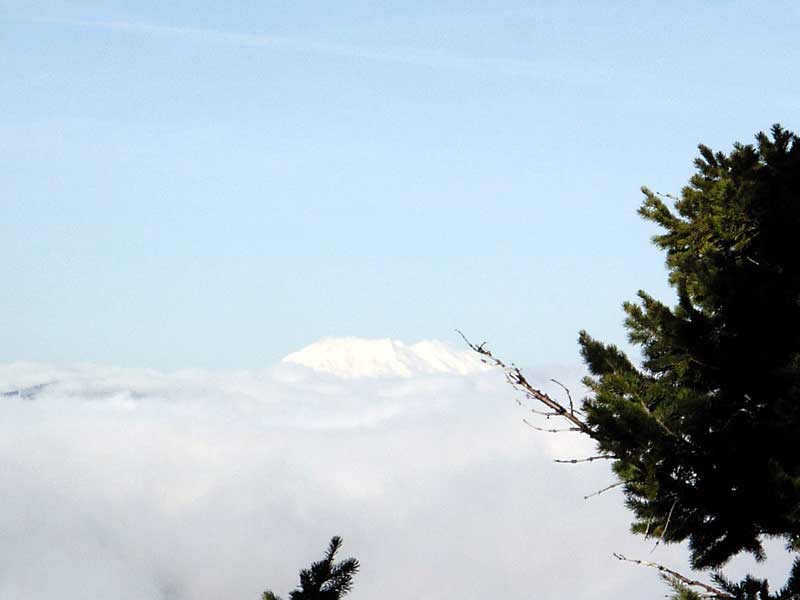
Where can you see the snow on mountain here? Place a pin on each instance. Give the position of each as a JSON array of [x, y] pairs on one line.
[[354, 358]]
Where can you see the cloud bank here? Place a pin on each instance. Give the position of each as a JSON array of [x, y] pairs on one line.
[[144, 485]]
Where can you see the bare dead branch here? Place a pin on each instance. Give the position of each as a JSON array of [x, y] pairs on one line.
[[711, 590], [605, 489], [518, 380]]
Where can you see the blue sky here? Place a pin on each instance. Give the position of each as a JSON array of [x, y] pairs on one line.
[[218, 184]]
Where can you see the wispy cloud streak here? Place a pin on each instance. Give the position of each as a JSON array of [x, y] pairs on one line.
[[436, 59]]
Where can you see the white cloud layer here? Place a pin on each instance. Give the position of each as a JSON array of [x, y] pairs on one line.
[[198, 485]]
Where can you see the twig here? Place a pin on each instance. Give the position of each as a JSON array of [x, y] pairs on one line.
[[574, 461], [544, 413], [605, 489], [647, 530], [715, 592], [566, 389], [670, 196], [563, 429], [666, 526], [541, 412]]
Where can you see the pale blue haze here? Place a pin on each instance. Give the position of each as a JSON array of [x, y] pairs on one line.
[[198, 184]]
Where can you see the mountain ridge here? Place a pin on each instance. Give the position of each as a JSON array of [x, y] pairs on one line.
[[356, 358]]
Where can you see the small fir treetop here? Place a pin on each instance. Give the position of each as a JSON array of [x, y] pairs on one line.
[[324, 579]]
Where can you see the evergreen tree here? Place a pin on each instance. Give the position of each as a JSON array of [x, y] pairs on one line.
[[324, 579], [705, 433]]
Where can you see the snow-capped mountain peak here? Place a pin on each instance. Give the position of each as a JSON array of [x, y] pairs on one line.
[[353, 358]]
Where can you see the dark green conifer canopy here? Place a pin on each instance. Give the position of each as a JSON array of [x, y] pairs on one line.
[[706, 431]]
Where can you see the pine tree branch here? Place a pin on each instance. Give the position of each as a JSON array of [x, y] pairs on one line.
[[656, 419], [714, 592]]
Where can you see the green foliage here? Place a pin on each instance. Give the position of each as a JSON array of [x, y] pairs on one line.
[[705, 432], [324, 579], [749, 588], [681, 591]]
